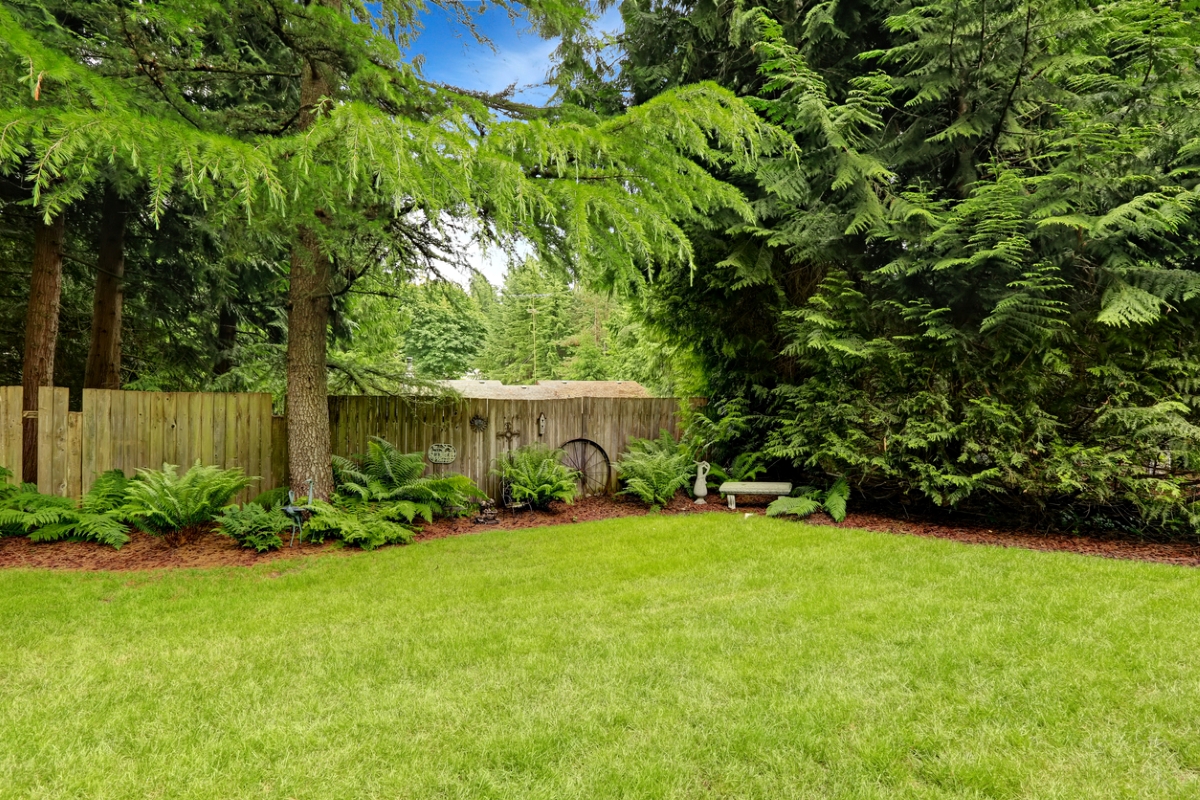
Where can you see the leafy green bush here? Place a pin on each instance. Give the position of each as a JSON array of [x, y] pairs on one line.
[[48, 518], [809, 500], [273, 497], [385, 475], [535, 474], [180, 509], [254, 525], [361, 525], [653, 470], [745, 467]]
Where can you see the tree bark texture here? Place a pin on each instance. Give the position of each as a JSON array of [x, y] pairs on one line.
[[104, 353], [41, 331], [227, 328], [309, 295]]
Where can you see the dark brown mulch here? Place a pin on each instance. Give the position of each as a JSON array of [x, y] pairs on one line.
[[1181, 553], [145, 552]]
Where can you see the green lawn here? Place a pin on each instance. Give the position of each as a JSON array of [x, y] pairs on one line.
[[636, 658]]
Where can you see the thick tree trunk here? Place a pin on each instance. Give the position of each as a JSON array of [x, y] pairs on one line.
[[41, 330], [227, 328], [309, 451], [104, 354]]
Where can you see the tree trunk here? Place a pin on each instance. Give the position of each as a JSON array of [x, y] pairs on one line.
[[104, 354], [227, 328], [41, 330], [309, 451]]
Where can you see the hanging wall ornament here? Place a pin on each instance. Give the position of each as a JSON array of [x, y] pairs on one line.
[[479, 424]]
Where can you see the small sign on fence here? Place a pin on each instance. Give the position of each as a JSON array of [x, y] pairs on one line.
[[441, 453]]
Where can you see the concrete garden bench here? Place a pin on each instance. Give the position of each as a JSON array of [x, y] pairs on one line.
[[731, 489]]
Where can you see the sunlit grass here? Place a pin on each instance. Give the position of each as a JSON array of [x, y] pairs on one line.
[[649, 657]]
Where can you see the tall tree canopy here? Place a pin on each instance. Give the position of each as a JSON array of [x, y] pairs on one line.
[[306, 119], [979, 279]]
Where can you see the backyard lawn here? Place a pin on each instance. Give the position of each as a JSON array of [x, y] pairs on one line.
[[704, 656]]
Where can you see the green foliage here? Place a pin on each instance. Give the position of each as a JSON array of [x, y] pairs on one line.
[[982, 256], [385, 475], [357, 525], [653, 470], [808, 500], [535, 474], [180, 508], [47, 518], [254, 525], [274, 497]]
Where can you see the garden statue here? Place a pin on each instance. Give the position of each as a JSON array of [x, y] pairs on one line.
[[701, 487]]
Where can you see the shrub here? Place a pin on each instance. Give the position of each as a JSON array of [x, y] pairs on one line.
[[745, 467], [385, 475], [809, 500], [535, 474], [653, 470], [48, 518], [180, 509], [361, 526], [272, 497], [254, 525]]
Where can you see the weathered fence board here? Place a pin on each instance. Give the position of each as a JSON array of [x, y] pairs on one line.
[[132, 430], [414, 426], [143, 430], [11, 431], [58, 461]]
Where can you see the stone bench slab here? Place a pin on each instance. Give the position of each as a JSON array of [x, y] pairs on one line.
[[731, 489]]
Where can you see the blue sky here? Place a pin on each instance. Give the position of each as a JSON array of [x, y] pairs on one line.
[[453, 56]]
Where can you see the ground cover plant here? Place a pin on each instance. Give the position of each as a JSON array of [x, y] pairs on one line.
[[180, 508], [254, 525], [385, 476], [807, 500], [656, 657], [653, 470], [48, 518], [535, 475]]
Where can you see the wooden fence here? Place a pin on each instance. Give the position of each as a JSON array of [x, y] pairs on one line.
[[11, 434], [500, 425], [132, 430]]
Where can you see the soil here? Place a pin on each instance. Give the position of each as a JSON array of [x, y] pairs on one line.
[[146, 552]]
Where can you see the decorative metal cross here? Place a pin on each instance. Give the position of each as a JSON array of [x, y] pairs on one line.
[[509, 434]]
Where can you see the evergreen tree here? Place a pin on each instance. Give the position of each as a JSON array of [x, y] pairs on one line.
[[251, 105], [977, 279]]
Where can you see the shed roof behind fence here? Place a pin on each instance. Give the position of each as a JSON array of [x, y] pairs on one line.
[[546, 390]]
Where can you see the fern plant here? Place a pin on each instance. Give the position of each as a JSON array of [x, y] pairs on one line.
[[745, 467], [385, 475], [653, 470], [359, 526], [808, 500], [180, 509], [254, 525], [48, 518], [535, 474]]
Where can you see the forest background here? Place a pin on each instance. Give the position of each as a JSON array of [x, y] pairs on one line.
[[944, 251]]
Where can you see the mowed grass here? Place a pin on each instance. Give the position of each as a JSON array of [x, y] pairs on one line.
[[635, 658]]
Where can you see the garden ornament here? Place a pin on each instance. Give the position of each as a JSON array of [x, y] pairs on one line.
[[487, 513], [297, 514], [701, 487]]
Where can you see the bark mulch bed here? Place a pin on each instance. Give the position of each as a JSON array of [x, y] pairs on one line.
[[146, 552]]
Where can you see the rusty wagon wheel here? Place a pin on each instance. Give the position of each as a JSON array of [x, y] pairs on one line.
[[590, 462]]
